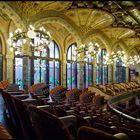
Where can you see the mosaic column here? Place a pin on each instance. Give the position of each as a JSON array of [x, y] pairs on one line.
[[81, 75], [110, 73], [9, 66], [127, 74], [94, 71], [26, 52], [63, 71], [114, 72]]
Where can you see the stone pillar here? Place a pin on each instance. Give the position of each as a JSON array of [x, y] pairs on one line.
[[127, 74], [9, 66]]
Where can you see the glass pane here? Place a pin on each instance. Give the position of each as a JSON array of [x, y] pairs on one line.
[[19, 72], [51, 74], [56, 51], [98, 75], [36, 71], [90, 71], [104, 76], [44, 53], [69, 57], [57, 75], [51, 49], [69, 82], [43, 71], [36, 53]]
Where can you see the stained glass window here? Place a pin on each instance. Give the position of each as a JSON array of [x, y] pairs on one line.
[[120, 71], [19, 71], [101, 68], [88, 73], [47, 65], [73, 70]]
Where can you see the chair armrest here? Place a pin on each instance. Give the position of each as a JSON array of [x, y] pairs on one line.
[[43, 106], [22, 96], [69, 120], [30, 101]]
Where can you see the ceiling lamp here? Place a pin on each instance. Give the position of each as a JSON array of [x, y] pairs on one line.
[[39, 38], [84, 52], [109, 59]]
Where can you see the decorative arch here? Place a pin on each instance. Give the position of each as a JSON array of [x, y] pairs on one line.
[[100, 36], [121, 45], [133, 51], [57, 17]]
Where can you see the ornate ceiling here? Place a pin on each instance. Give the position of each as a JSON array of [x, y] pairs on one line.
[[116, 19]]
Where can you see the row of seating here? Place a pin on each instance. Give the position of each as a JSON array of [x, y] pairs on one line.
[[47, 121]]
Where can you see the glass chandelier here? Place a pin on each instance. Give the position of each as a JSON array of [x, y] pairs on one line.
[[109, 59], [84, 52], [37, 38]]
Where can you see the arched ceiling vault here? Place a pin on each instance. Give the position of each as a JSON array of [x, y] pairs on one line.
[[111, 22]]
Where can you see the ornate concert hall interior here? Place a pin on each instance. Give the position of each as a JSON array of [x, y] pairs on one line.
[[70, 70]]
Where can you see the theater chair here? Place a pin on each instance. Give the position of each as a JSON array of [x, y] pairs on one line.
[[90, 133], [48, 126], [98, 100], [86, 97], [21, 107], [39, 89], [12, 115], [73, 94], [4, 134], [58, 92]]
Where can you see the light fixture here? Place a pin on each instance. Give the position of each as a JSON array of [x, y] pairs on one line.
[[37, 38], [84, 52], [109, 59]]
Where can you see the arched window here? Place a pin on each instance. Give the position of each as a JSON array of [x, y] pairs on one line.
[[101, 68], [120, 71], [1, 62], [73, 69], [88, 73], [46, 65], [54, 65]]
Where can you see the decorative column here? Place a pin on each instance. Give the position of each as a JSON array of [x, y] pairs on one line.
[[63, 71], [81, 75], [110, 73], [94, 71], [9, 66], [127, 74], [26, 52], [114, 72]]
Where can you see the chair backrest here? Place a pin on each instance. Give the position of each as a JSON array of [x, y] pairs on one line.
[[25, 122], [48, 126], [4, 84], [90, 133]]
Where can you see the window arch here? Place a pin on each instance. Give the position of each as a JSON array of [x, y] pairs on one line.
[[101, 68], [46, 65], [73, 69], [1, 61], [120, 71]]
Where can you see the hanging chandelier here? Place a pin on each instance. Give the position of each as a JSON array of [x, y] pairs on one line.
[[84, 52], [37, 38], [109, 59]]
